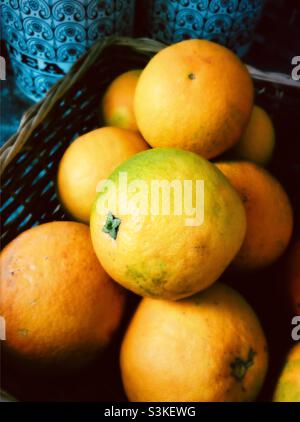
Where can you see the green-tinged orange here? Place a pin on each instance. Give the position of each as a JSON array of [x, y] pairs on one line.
[[258, 139], [187, 225], [117, 104]]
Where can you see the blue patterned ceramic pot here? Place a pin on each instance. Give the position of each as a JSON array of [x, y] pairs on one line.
[[45, 37], [228, 22]]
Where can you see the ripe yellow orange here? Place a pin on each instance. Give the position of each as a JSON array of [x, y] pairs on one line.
[[288, 385], [209, 347], [268, 210], [90, 159], [117, 105], [176, 241], [59, 305], [194, 95], [258, 139]]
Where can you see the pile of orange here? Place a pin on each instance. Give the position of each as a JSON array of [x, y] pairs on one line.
[[165, 223]]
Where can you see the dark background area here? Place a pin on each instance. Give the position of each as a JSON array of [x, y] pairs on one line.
[[277, 40]]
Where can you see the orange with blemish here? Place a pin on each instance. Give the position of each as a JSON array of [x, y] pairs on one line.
[[59, 305]]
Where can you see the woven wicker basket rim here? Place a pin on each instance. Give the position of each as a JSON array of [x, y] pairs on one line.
[[35, 115]]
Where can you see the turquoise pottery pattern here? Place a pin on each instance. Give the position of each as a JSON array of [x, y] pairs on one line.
[[45, 37], [229, 22]]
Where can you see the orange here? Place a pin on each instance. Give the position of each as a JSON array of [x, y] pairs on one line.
[[90, 159], [288, 385], [209, 347], [293, 276], [268, 210], [195, 95], [59, 305], [164, 248], [258, 139], [117, 104]]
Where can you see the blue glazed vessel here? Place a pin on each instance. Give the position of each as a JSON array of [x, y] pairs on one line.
[[45, 37], [229, 22]]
